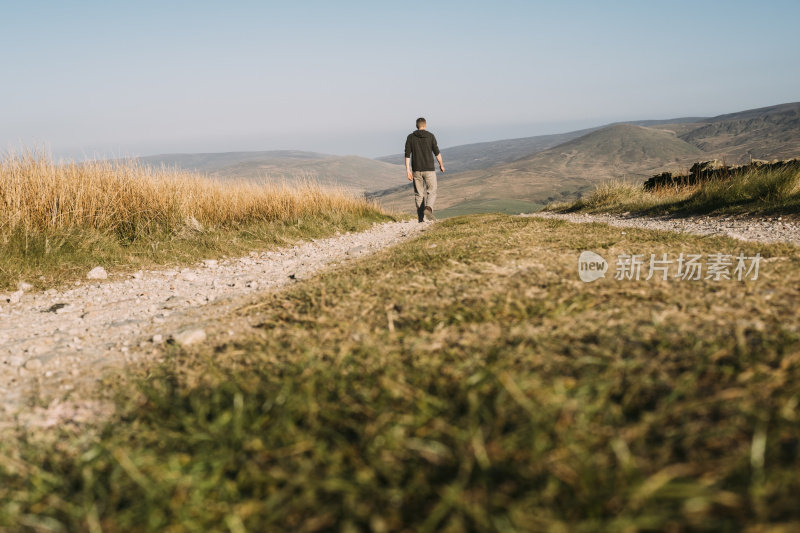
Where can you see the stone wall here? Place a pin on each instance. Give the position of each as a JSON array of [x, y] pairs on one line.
[[712, 170]]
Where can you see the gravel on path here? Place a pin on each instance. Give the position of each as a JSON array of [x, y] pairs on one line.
[[58, 341], [758, 229]]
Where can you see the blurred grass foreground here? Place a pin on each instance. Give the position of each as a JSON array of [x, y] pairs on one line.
[[465, 380]]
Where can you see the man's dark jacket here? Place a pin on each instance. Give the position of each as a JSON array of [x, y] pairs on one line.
[[421, 147]]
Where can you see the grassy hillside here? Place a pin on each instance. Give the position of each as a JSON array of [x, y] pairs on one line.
[[615, 151], [618, 151], [756, 191], [767, 133], [621, 151], [490, 205], [59, 220], [212, 162], [478, 156], [358, 173], [482, 155], [463, 381]]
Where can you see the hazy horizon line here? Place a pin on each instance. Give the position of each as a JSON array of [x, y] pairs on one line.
[[464, 135]]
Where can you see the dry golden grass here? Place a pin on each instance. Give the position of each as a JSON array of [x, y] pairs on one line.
[[37, 194], [58, 220], [759, 191]]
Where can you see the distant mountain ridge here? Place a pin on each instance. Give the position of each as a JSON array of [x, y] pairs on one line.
[[216, 160], [765, 133], [627, 146], [486, 154], [358, 173], [631, 151], [476, 156], [524, 173]]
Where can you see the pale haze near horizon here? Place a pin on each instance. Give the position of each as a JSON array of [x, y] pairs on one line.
[[107, 78]]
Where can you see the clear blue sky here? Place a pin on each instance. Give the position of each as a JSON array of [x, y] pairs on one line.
[[350, 77]]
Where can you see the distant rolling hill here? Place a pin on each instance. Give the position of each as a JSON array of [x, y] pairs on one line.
[[615, 151], [482, 155], [765, 133], [621, 151], [358, 173], [487, 154]]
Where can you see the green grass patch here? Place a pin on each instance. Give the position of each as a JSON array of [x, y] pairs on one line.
[[462, 381], [54, 257], [490, 205]]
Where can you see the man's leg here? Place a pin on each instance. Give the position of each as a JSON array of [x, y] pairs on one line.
[[430, 188], [419, 198]]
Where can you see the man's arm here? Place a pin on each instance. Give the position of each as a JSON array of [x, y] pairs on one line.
[[408, 159], [437, 153]]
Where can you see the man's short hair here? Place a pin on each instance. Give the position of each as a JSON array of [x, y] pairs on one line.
[[420, 122]]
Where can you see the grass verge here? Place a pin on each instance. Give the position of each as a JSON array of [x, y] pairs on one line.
[[760, 191], [490, 205], [57, 221], [465, 380]]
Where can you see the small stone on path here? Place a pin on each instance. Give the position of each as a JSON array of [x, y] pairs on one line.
[[97, 273], [188, 337]]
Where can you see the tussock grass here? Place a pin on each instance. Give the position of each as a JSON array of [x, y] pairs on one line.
[[58, 216], [607, 195], [472, 386], [759, 191]]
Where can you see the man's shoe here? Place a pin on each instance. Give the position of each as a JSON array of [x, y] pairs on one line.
[[429, 214]]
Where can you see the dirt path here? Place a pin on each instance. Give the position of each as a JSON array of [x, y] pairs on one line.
[[760, 229], [54, 342]]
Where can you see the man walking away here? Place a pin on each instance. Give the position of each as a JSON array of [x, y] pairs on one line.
[[420, 148]]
